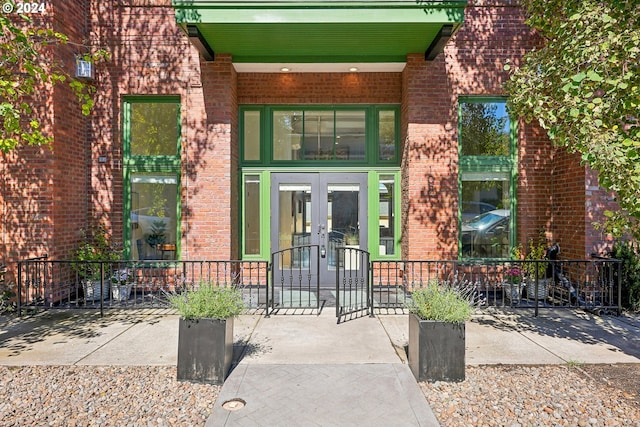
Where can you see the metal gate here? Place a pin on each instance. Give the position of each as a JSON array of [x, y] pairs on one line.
[[296, 285], [354, 293]]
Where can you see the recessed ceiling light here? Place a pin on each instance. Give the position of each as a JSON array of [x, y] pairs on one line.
[[353, 69], [285, 69]]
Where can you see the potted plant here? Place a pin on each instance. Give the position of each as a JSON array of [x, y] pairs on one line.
[[121, 284], [205, 333], [95, 248], [437, 332], [536, 270], [513, 278]]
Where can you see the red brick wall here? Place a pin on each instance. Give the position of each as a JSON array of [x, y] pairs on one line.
[[151, 55], [472, 64], [48, 196], [70, 150], [27, 180], [319, 88]]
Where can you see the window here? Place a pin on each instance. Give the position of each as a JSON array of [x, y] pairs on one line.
[[251, 135], [386, 214], [152, 176], [350, 135], [487, 175], [251, 222], [387, 135]]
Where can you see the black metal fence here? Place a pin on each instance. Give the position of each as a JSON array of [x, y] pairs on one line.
[[587, 284], [290, 280], [44, 283]]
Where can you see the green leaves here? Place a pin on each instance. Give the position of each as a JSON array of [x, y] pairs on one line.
[[583, 87], [27, 72]]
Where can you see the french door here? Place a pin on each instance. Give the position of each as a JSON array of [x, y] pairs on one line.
[[323, 209]]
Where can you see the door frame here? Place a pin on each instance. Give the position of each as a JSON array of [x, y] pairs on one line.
[[319, 183]]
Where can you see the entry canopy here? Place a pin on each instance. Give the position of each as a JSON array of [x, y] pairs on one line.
[[313, 32]]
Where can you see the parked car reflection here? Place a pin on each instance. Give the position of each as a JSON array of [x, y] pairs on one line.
[[487, 235], [472, 209]]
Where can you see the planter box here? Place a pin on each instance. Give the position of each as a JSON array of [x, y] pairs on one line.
[[436, 350], [205, 350], [91, 290]]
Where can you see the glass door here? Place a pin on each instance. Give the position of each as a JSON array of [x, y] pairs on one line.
[[324, 209]]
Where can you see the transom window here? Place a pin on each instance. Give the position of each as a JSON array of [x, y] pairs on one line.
[[331, 135], [487, 175]]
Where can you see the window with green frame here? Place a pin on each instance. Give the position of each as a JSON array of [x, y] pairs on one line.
[[344, 135], [151, 142], [487, 150]]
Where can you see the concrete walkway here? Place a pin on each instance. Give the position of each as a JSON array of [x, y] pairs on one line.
[[286, 365]]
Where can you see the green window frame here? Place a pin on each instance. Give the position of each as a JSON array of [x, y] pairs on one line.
[[381, 126], [151, 135], [391, 216], [384, 208], [487, 150]]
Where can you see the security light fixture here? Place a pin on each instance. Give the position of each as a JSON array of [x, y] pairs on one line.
[[84, 67]]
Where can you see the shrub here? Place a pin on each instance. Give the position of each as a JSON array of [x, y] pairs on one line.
[[208, 301], [630, 282], [441, 303]]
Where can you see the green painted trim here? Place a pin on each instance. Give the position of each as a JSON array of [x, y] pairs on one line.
[[371, 156], [307, 12], [126, 182], [149, 164], [374, 214], [335, 31], [265, 223], [505, 164]]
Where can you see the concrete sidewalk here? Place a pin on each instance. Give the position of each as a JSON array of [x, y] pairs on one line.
[[286, 364]]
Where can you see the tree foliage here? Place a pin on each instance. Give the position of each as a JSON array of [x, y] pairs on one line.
[[583, 87], [484, 132], [27, 68]]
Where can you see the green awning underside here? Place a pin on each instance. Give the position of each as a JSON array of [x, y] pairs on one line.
[[319, 31]]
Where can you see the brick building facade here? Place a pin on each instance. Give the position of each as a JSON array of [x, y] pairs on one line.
[[92, 174]]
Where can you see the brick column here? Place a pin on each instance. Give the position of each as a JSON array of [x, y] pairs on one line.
[[210, 209]]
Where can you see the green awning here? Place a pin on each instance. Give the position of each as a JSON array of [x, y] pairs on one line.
[[319, 31]]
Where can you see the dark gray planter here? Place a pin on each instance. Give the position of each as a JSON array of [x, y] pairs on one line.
[[436, 350], [205, 350]]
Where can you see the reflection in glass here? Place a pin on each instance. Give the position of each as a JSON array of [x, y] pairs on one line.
[[154, 128], [153, 215], [287, 134], [386, 135], [251, 135], [343, 223], [252, 215], [350, 135], [486, 215], [294, 222], [318, 135], [484, 129], [386, 218]]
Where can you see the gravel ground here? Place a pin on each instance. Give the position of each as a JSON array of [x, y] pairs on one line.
[[101, 396], [538, 396], [589, 395]]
